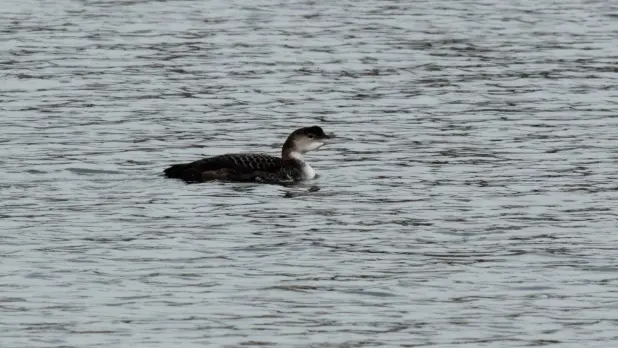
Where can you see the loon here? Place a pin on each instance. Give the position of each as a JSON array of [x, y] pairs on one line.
[[256, 167]]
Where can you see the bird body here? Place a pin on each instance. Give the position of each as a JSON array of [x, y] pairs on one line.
[[257, 167]]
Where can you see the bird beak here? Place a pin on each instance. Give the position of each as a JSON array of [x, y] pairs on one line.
[[329, 136]]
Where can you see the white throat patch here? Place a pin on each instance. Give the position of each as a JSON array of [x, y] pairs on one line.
[[308, 172], [297, 156]]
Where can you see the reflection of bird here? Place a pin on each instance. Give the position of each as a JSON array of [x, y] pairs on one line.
[[254, 167]]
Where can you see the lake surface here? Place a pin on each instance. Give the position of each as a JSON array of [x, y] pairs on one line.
[[470, 200]]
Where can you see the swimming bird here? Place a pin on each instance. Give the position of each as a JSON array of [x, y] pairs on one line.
[[290, 168]]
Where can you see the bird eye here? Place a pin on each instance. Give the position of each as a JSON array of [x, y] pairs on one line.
[[310, 135]]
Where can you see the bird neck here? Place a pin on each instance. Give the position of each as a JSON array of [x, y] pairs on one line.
[[290, 152]]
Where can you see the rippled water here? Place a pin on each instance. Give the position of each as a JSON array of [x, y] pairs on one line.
[[470, 201]]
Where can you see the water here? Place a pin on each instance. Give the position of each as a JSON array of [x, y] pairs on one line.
[[470, 201]]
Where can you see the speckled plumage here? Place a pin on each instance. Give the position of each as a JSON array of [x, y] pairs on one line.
[[240, 161]]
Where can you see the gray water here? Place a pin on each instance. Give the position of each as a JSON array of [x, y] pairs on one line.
[[470, 200]]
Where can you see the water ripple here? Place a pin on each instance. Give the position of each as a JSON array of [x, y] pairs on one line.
[[470, 200]]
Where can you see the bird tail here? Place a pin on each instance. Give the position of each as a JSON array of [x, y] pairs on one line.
[[177, 171]]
